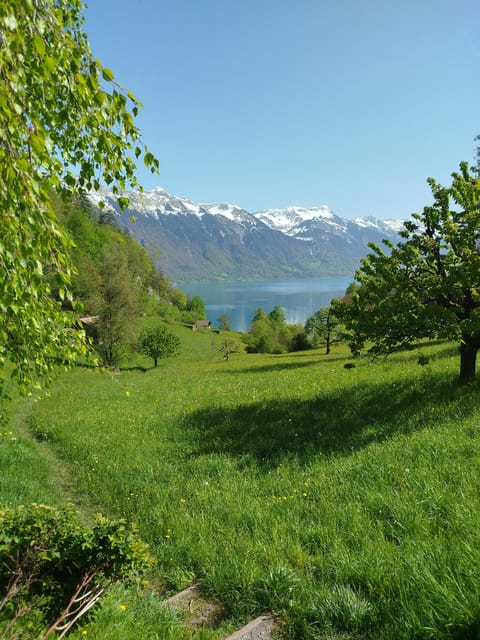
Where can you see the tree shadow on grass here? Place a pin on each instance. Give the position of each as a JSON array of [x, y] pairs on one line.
[[279, 365], [334, 423], [274, 366], [93, 367], [309, 358]]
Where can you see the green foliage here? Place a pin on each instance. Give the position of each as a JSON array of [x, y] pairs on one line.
[[324, 329], [53, 569], [299, 339], [179, 299], [65, 124], [229, 346], [163, 309], [158, 342], [224, 322], [259, 338], [196, 306], [114, 279], [428, 285], [188, 317], [277, 316], [115, 327], [94, 241], [260, 314], [270, 333]]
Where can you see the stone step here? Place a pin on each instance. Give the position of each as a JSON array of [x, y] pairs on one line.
[[200, 611], [262, 628]]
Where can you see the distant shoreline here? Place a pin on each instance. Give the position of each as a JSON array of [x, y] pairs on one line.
[[239, 299]]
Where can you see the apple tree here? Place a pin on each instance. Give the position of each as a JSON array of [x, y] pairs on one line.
[[428, 285]]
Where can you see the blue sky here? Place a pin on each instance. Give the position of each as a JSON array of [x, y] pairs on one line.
[[271, 103]]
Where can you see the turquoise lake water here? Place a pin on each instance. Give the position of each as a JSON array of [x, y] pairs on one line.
[[240, 299]]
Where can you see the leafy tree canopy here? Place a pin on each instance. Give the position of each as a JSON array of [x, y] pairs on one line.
[[277, 315], [271, 334], [324, 328], [198, 307], [224, 322], [93, 239], [229, 346], [260, 314], [429, 284], [65, 126], [158, 342], [115, 329]]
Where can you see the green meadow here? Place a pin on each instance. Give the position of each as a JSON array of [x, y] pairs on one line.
[[344, 500]]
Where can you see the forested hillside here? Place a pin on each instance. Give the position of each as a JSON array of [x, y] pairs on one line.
[[115, 280], [101, 251]]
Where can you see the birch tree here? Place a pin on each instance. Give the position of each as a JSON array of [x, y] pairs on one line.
[[66, 126]]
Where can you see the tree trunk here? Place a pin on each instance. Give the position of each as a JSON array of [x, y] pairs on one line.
[[468, 358], [155, 361], [327, 343]]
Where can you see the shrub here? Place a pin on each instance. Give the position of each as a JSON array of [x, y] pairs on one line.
[[53, 569]]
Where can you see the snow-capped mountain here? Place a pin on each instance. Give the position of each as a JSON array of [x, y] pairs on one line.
[[286, 220], [159, 202], [293, 221], [195, 241]]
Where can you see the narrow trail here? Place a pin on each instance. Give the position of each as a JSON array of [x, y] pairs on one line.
[[197, 608], [60, 478]]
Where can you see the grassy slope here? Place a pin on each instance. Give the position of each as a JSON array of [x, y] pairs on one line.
[[345, 499]]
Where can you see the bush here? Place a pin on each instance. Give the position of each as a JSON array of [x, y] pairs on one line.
[[53, 569]]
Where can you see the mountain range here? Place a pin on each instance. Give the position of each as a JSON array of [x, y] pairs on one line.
[[192, 242]]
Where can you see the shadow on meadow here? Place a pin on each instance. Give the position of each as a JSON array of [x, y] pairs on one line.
[[274, 366], [280, 365], [302, 359], [334, 423]]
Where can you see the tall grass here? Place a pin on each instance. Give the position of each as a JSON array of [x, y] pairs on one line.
[[345, 500]]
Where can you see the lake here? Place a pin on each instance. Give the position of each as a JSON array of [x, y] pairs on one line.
[[299, 299]]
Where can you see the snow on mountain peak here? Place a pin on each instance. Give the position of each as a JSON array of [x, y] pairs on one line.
[[290, 220], [395, 225], [225, 209], [374, 223], [159, 202], [286, 219]]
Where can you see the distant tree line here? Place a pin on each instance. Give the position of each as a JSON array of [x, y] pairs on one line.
[[270, 333]]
